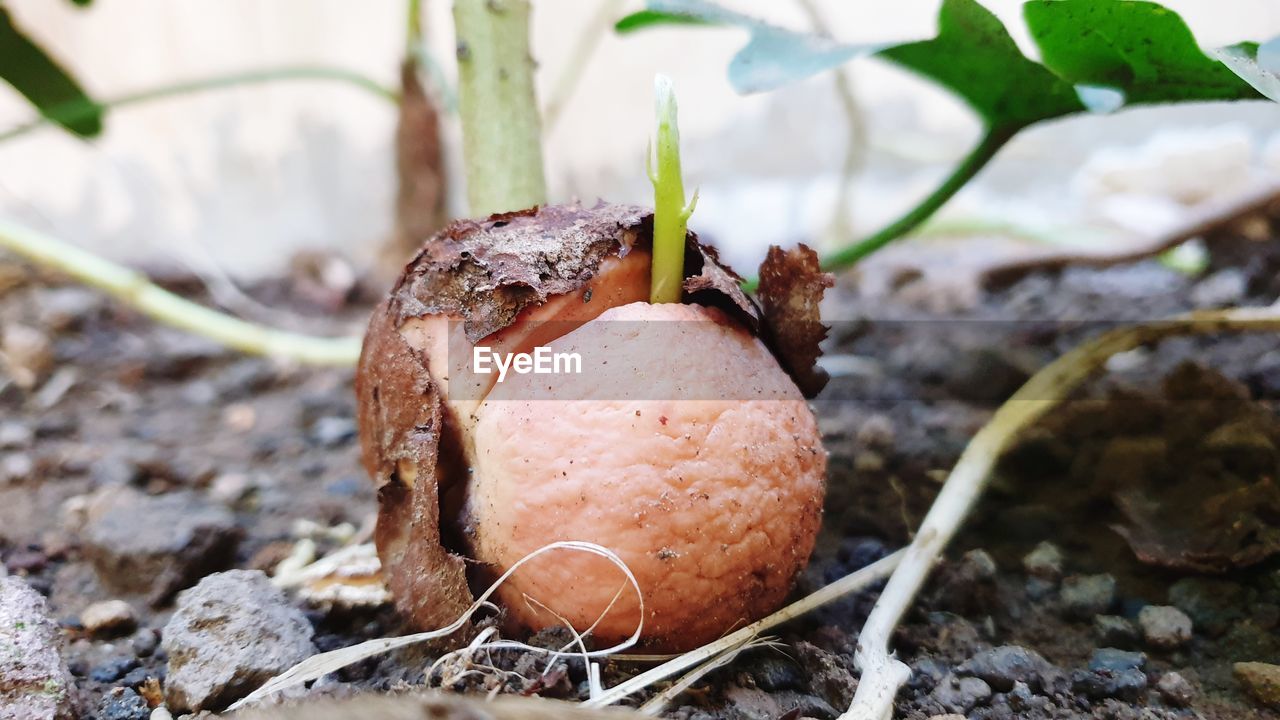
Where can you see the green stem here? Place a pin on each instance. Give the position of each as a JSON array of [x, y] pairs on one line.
[[413, 29], [135, 289], [982, 153], [75, 111], [501, 126], [670, 214]]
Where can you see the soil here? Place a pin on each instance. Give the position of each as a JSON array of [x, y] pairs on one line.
[[129, 403]]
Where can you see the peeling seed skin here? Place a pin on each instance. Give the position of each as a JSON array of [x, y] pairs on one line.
[[713, 503]]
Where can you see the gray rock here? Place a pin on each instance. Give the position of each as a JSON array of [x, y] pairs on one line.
[[961, 694], [1116, 660], [34, 682], [1164, 627], [1224, 288], [1212, 604], [1115, 631], [1084, 596], [228, 635], [123, 704], [15, 435], [156, 544], [1261, 680], [1044, 562], [333, 431], [1102, 684], [1176, 690], [1004, 666]]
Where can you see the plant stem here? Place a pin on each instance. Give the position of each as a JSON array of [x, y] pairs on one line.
[[970, 166], [413, 28], [135, 289], [501, 127], [71, 112], [670, 214]]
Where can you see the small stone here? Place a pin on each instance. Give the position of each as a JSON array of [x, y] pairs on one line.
[[1224, 288], [773, 673], [113, 669], [144, 642], [1261, 680], [228, 635], [1212, 604], [26, 354], [1115, 631], [877, 432], [984, 375], [66, 308], [333, 431], [123, 704], [15, 435], [1044, 562], [1038, 588], [230, 488], [161, 713], [1005, 666], [1102, 684], [1084, 596], [1116, 660], [156, 544], [1176, 690], [1164, 627], [961, 694], [110, 617], [34, 680]]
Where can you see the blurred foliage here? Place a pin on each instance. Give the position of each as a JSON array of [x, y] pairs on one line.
[[39, 78]]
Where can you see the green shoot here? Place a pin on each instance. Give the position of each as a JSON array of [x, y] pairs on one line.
[[670, 213]]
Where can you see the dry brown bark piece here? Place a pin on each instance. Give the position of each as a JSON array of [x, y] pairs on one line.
[[486, 271], [401, 425], [1202, 530], [420, 174], [791, 287]]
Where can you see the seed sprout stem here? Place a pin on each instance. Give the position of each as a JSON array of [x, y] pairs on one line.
[[882, 674], [72, 111], [670, 213], [136, 290]]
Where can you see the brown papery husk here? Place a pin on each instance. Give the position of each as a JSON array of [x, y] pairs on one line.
[[485, 273]]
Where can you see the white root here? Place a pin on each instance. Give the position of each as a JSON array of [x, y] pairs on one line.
[[882, 674]]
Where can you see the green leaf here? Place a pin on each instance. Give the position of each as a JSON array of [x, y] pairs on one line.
[[1140, 48], [82, 3], [642, 19], [1257, 65], [974, 57], [46, 85], [772, 57]]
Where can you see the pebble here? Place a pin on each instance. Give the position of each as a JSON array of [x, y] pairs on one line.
[[1224, 288], [109, 617], [984, 376], [1005, 666], [156, 544], [113, 669], [161, 713], [877, 432], [144, 642], [14, 435], [1212, 604], [773, 673], [1116, 660], [961, 694], [1176, 690], [27, 354], [1115, 631], [1044, 562], [1084, 596], [1164, 627], [1261, 680], [35, 676], [332, 431], [229, 634], [123, 704], [1102, 684]]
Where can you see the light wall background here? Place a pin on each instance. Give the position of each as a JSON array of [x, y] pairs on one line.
[[239, 179]]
